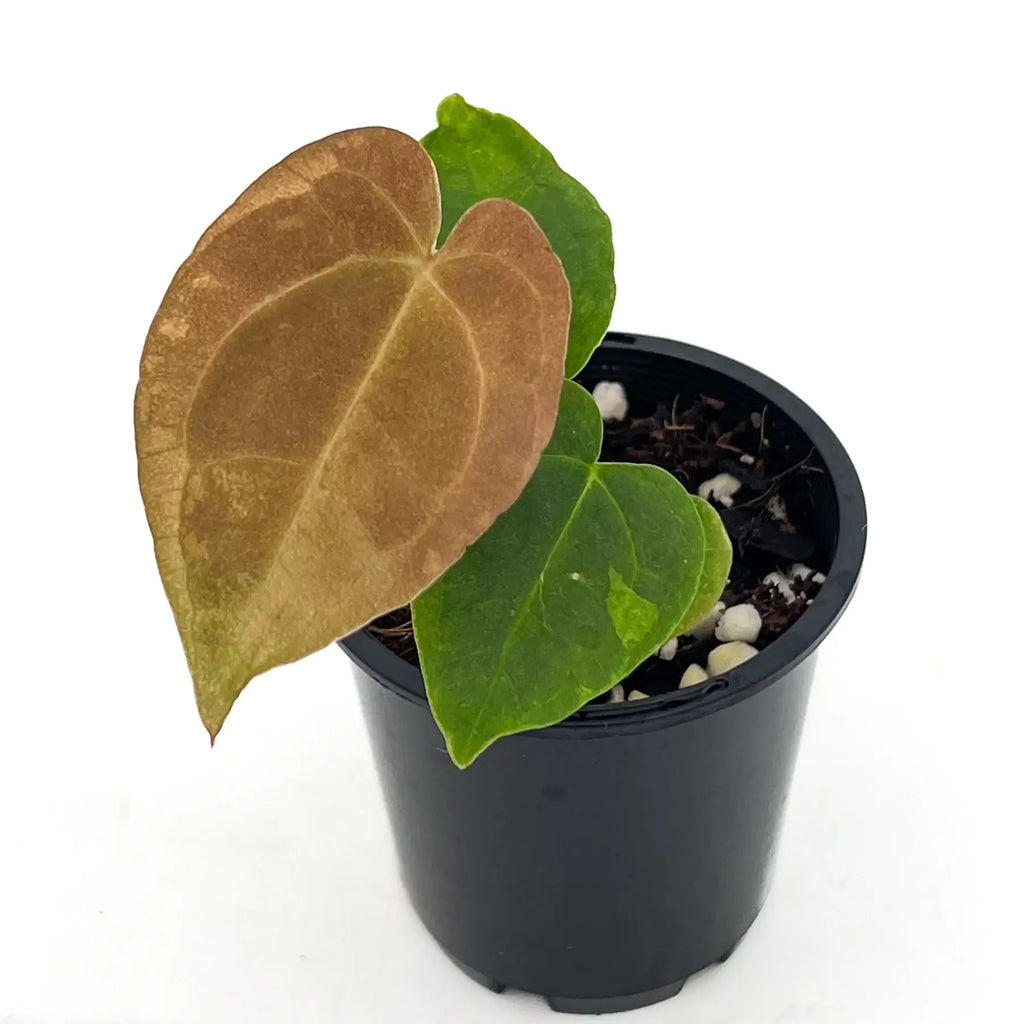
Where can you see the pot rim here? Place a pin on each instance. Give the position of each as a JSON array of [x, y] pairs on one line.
[[777, 660]]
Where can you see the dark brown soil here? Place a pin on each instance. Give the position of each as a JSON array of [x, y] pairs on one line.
[[770, 521]]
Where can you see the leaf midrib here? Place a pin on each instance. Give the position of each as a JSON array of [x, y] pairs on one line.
[[317, 467], [532, 595]]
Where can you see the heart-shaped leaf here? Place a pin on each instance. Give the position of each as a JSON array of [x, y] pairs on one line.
[[328, 411], [588, 573], [480, 154]]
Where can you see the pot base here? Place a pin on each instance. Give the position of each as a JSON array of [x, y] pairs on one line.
[[588, 1005]]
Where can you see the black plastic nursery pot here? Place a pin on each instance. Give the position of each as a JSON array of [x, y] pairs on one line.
[[602, 861]]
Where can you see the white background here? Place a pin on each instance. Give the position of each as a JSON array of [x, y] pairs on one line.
[[831, 192]]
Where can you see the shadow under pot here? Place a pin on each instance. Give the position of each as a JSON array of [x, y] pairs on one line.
[[602, 861]]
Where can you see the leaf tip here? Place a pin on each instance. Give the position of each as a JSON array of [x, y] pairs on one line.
[[212, 724], [215, 694], [453, 110], [463, 753], [462, 762]]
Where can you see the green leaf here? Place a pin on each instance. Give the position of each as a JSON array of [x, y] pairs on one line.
[[578, 426], [717, 563], [479, 154], [587, 574]]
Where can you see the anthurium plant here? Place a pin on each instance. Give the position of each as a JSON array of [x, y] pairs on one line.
[[357, 394]]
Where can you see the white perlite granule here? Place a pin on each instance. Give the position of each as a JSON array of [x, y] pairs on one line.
[[611, 400]]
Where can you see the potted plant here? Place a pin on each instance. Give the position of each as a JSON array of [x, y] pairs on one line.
[[370, 407]]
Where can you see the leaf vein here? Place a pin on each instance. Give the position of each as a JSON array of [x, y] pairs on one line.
[[531, 597], [635, 562], [405, 220]]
